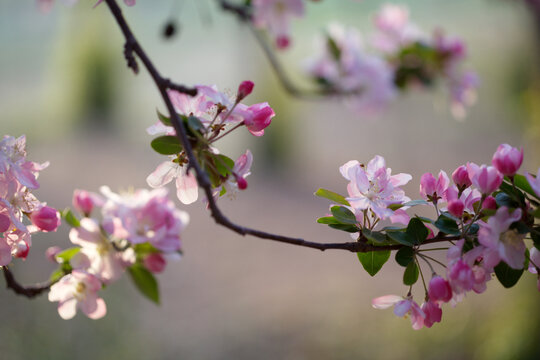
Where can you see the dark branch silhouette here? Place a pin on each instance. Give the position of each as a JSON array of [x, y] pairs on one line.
[[29, 291]]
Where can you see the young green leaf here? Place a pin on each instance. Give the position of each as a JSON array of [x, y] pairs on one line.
[[166, 145], [344, 227], [332, 196], [224, 165], [373, 261], [70, 218], [400, 237], [327, 220], [410, 276], [145, 282], [375, 237], [68, 253], [164, 119], [343, 215]]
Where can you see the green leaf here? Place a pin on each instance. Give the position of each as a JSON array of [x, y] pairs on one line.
[[404, 256], [344, 227], [521, 182], [144, 248], [400, 237], [333, 48], [373, 261], [447, 225], [56, 275], [332, 196], [195, 124], [503, 199], [145, 282], [376, 237], [70, 218], [417, 231], [535, 236], [327, 220], [507, 276], [415, 202], [410, 276], [166, 145], [164, 119], [343, 215], [67, 254], [224, 165]]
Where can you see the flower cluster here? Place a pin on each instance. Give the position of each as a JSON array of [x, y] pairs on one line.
[[18, 177], [485, 212], [137, 231], [208, 117], [405, 58], [275, 16]]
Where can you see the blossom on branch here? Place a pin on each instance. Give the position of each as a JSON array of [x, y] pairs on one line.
[[275, 16]]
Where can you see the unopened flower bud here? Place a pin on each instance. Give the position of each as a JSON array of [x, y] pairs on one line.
[[85, 201], [507, 159], [489, 203], [46, 218], [51, 253], [244, 89], [155, 262], [283, 42], [242, 183], [460, 176], [456, 207], [21, 250]]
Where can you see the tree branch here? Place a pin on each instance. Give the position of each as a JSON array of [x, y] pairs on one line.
[[202, 178], [243, 14], [28, 291]]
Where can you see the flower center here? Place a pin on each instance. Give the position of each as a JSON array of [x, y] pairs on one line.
[[512, 238]]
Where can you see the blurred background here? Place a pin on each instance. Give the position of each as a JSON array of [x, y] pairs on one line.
[[64, 83]]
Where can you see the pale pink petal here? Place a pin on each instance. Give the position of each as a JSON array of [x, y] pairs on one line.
[[386, 301], [164, 173], [67, 309], [187, 188], [100, 310]]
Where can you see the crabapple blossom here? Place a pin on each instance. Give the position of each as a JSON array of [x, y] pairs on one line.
[[186, 183], [85, 201], [507, 159], [402, 307], [460, 176], [275, 16], [256, 117], [394, 29], [244, 89], [486, 178], [439, 290], [372, 187], [496, 235], [433, 313], [78, 290], [433, 189], [489, 203]]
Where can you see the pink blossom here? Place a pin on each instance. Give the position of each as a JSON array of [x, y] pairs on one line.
[[457, 205], [433, 313], [275, 16], [460, 176], [534, 182], [84, 201], [13, 161], [373, 187], [507, 159], [486, 178], [461, 278], [240, 171], [256, 117], [5, 222], [155, 262], [46, 218], [534, 264], [145, 216], [509, 244], [97, 255], [439, 290], [402, 307], [395, 30], [78, 290], [433, 189], [368, 78]]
